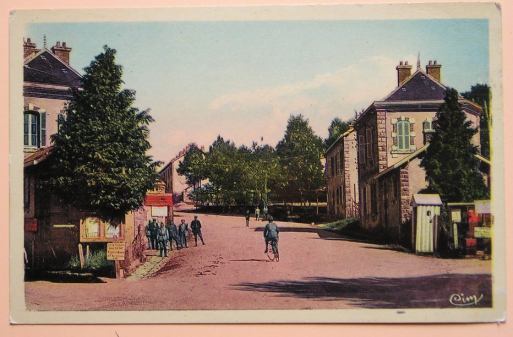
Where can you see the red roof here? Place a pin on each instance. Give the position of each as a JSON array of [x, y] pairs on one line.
[[38, 156]]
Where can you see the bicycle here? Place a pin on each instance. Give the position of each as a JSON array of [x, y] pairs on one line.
[[274, 249]]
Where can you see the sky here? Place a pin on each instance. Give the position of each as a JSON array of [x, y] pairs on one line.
[[243, 80]]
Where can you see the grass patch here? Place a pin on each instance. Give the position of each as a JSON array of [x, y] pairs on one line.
[[343, 225]]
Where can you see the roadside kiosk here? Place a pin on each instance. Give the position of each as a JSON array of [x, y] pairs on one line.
[[424, 231]]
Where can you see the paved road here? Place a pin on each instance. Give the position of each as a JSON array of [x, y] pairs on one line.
[[317, 269]]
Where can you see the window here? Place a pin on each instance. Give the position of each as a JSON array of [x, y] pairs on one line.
[[361, 149], [403, 135], [332, 166], [368, 144], [427, 128], [60, 121], [341, 162], [34, 129]]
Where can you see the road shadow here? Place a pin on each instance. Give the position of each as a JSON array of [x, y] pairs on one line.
[[432, 291], [250, 260], [63, 277], [322, 233]]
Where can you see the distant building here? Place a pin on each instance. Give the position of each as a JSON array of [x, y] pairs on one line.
[[392, 134], [176, 183], [342, 174]]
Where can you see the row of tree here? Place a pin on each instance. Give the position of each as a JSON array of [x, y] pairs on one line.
[[254, 175]]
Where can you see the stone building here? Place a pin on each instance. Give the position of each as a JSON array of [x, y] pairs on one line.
[[392, 133], [342, 174]]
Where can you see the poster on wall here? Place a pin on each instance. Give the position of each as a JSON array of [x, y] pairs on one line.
[[158, 211]]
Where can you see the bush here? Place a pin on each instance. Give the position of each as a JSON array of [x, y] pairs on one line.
[[97, 261], [342, 225]]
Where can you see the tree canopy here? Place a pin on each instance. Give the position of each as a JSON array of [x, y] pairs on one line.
[[299, 153], [481, 94], [193, 166], [336, 128], [99, 160], [451, 167]]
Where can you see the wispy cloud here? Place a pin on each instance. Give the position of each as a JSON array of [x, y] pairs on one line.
[[248, 115]]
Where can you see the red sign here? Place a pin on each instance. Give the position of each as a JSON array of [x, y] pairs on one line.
[[158, 200], [30, 225]]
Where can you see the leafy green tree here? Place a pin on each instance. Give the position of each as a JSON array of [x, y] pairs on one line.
[[451, 166], [299, 154], [99, 160], [225, 170], [337, 127], [193, 165], [481, 94]]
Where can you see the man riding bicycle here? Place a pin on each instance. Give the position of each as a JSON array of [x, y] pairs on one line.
[[271, 232]]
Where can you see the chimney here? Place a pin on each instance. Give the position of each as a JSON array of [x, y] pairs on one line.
[[29, 48], [433, 70], [403, 72], [62, 51]]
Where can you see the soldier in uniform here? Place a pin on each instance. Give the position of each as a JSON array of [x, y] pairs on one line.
[[196, 230], [183, 230], [148, 234], [247, 218], [271, 232], [162, 237], [172, 231], [154, 228]]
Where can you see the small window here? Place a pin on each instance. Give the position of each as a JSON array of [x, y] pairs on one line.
[[427, 128]]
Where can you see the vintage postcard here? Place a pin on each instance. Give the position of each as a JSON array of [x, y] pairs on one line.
[[291, 164]]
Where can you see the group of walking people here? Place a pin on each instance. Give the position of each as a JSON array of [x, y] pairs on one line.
[[258, 215], [161, 236]]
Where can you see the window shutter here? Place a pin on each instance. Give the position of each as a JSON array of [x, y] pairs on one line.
[[411, 126], [394, 128], [25, 129], [33, 130], [412, 140], [42, 118]]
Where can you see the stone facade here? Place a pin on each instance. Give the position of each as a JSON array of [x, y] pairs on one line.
[[391, 135], [175, 183], [342, 175]]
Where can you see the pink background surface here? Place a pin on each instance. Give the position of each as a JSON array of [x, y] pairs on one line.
[[505, 329]]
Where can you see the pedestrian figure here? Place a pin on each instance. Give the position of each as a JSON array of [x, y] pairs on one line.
[[183, 230], [257, 213], [265, 212], [196, 230], [247, 218], [148, 234], [154, 229], [162, 238], [271, 231], [172, 231]]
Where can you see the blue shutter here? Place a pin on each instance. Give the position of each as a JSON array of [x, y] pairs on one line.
[[25, 129], [42, 123]]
